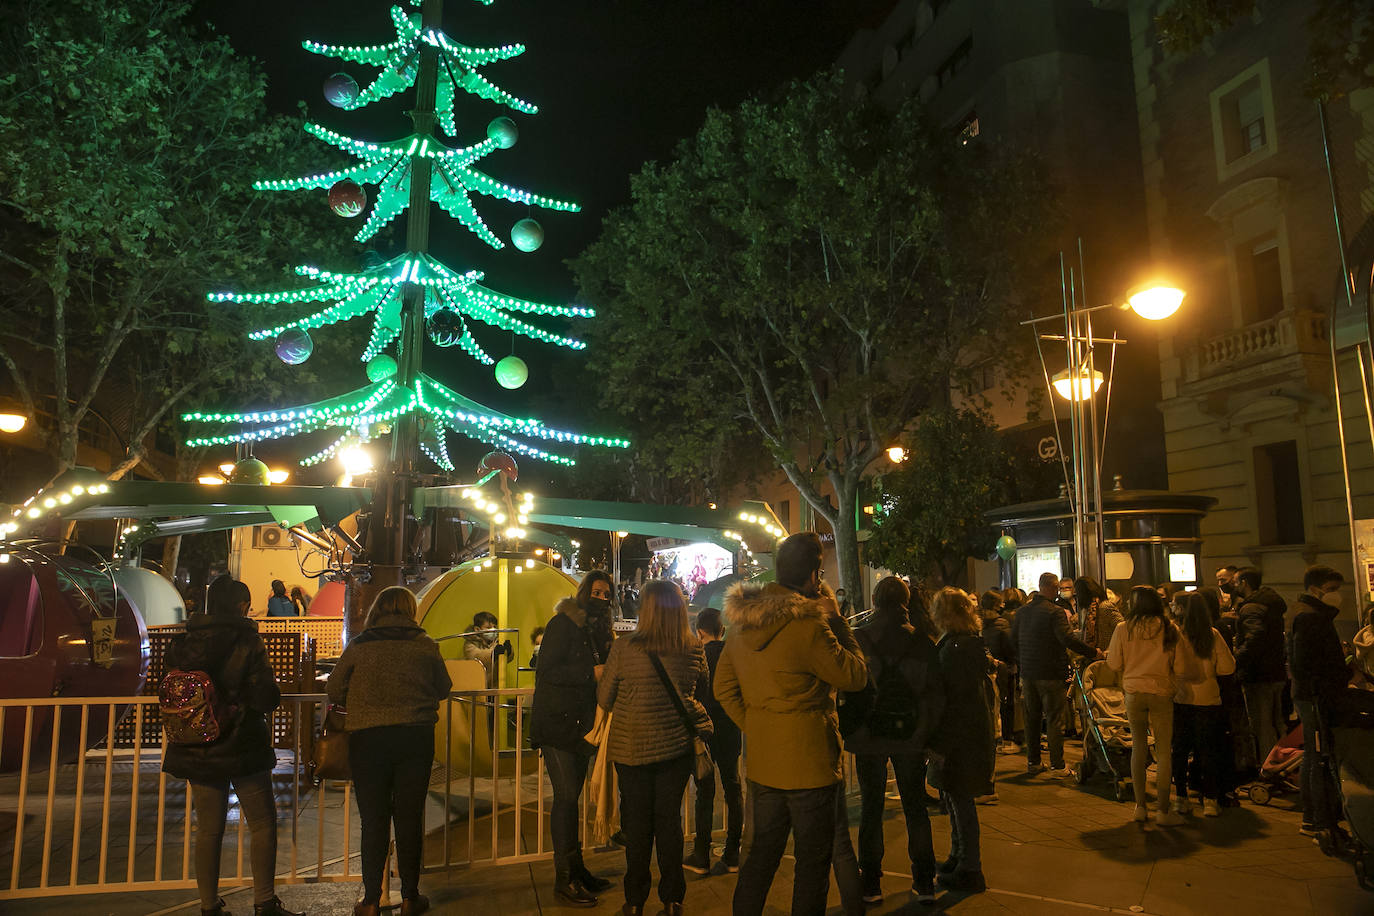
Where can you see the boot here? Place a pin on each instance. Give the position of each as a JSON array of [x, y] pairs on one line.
[[671, 909], [578, 871], [216, 910], [630, 909], [570, 891], [414, 906], [274, 907], [366, 909]]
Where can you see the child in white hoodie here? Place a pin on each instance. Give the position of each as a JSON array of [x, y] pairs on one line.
[[1144, 649], [1199, 718]]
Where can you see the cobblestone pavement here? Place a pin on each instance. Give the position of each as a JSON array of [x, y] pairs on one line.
[[1049, 847]]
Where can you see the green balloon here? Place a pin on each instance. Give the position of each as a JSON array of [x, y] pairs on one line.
[[1006, 547]]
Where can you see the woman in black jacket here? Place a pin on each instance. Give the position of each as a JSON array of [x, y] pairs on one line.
[[225, 644], [577, 642], [390, 680], [962, 758], [899, 646]]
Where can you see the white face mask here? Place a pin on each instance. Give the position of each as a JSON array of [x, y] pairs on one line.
[[1332, 599]]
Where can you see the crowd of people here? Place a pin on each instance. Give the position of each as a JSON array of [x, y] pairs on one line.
[[928, 686]]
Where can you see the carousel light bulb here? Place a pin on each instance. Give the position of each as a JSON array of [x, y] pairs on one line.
[[529, 564], [487, 562], [499, 518]]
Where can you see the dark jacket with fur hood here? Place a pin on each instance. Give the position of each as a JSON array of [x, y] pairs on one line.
[[565, 681], [229, 649], [777, 680]]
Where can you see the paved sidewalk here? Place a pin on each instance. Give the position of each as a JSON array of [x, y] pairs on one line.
[[1049, 847]]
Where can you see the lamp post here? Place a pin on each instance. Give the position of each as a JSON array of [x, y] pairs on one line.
[[1078, 385]]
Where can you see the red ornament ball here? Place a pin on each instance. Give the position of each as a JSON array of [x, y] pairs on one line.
[[347, 198], [500, 461]]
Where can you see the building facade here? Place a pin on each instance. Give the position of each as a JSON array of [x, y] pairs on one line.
[[1237, 202]]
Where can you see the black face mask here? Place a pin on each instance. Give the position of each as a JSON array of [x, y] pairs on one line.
[[598, 606]]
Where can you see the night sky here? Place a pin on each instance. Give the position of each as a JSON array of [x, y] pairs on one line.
[[617, 82]]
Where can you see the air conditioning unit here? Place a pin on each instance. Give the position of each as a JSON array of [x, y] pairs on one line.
[[271, 537]]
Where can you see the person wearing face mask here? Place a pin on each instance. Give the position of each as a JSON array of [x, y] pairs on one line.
[[1320, 677], [577, 642], [481, 646], [1259, 657], [1226, 584]]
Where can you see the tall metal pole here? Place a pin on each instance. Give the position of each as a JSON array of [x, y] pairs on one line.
[[1075, 431], [1099, 547]]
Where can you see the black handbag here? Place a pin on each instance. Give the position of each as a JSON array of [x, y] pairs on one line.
[[703, 766]]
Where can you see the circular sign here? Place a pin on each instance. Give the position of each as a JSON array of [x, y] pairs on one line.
[[1048, 448]]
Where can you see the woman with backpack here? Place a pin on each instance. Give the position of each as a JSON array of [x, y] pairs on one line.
[[650, 687], [907, 700], [389, 681], [962, 757], [1144, 648], [222, 648], [1199, 716]]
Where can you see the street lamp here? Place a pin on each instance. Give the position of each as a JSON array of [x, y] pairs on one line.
[[12, 416], [896, 454], [1078, 384]]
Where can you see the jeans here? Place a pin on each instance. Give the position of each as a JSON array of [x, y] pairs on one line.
[[212, 807], [567, 772], [725, 748], [845, 863], [1314, 776], [1199, 732], [651, 816], [1264, 706], [391, 765], [871, 770], [1150, 713], [1044, 698], [963, 832], [807, 814]]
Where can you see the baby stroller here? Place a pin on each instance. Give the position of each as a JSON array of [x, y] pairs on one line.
[[1351, 750], [1106, 731], [1279, 772]]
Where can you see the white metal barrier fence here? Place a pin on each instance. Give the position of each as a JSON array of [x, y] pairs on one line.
[[489, 799]]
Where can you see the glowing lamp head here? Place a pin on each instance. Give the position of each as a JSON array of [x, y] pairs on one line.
[[622, 534], [1155, 302], [11, 421], [227, 468], [1077, 387], [277, 475], [896, 454], [355, 460], [210, 480]]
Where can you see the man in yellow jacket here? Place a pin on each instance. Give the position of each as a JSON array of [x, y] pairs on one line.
[[789, 651]]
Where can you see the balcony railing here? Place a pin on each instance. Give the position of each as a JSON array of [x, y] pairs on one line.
[[1291, 332]]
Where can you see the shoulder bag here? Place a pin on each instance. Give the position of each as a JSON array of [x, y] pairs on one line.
[[330, 757], [704, 766]]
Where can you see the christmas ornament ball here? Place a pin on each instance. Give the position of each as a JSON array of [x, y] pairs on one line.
[[251, 471], [380, 367], [527, 235], [500, 461], [294, 346], [341, 90], [1006, 547], [503, 131], [372, 259], [445, 327], [512, 372], [347, 198]]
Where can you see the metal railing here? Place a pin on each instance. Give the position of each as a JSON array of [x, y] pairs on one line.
[[69, 779]]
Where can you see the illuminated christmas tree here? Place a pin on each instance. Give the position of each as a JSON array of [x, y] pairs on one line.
[[414, 294]]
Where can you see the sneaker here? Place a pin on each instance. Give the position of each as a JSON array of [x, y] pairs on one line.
[[965, 882], [1211, 807], [730, 859], [1061, 773], [698, 863], [618, 839], [1307, 829], [1008, 747], [924, 891], [1035, 769], [1182, 806], [986, 799], [1169, 819], [873, 890], [1142, 814]]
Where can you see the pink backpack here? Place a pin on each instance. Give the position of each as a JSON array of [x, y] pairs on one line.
[[193, 712]]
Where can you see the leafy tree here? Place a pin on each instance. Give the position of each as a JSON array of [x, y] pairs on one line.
[[814, 270], [1340, 36], [127, 146]]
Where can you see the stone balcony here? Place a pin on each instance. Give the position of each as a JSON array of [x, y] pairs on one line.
[[1292, 332]]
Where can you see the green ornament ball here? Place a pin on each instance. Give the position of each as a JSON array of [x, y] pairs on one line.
[[1006, 547], [503, 131], [527, 235], [512, 372], [380, 367], [250, 471]]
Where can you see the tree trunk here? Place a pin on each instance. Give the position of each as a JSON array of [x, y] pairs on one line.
[[849, 573], [171, 552]]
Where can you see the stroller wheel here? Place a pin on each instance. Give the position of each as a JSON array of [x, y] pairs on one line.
[[1084, 770], [1118, 787], [1259, 794]]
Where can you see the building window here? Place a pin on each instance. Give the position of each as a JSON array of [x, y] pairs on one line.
[[968, 128], [1261, 279], [1243, 121], [955, 63], [1278, 494]]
